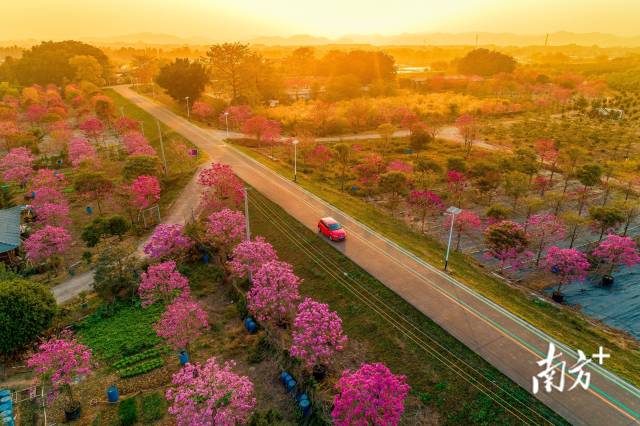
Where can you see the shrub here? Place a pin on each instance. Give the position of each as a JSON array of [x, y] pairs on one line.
[[153, 408], [26, 310], [128, 412]]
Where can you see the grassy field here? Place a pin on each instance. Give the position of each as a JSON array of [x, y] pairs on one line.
[[566, 324], [451, 384]]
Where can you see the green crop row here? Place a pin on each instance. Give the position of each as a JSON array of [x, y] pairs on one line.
[[141, 368], [134, 359]]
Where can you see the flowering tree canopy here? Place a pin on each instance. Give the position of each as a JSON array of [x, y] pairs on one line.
[[17, 165], [47, 242], [210, 394], [167, 240], [125, 124], [201, 110], [136, 144], [568, 264], [162, 282], [182, 322], [60, 361], [466, 222], [542, 229], [507, 242], [225, 228], [80, 150], [224, 187], [92, 127], [274, 292], [424, 203], [48, 178], [263, 129], [372, 395], [617, 250], [145, 191], [50, 207], [317, 333], [249, 256]]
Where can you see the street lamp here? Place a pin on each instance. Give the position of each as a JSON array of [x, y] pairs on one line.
[[453, 211], [226, 121], [295, 143], [122, 111], [188, 112]]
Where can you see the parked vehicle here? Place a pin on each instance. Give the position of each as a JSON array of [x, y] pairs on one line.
[[330, 228]]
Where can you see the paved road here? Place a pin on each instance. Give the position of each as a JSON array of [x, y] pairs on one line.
[[507, 342]]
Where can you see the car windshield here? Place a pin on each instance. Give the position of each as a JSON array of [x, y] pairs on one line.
[[334, 226]]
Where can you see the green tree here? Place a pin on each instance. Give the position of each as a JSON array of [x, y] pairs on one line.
[[183, 78], [419, 140], [486, 63], [516, 184], [94, 186], [26, 310], [87, 68], [395, 184], [386, 131], [589, 176], [48, 62], [116, 274], [428, 172], [226, 61], [605, 218], [497, 212], [139, 165]]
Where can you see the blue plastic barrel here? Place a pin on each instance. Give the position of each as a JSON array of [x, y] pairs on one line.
[[59, 162], [302, 396], [305, 406], [184, 357], [284, 377], [205, 258], [291, 385], [112, 394], [89, 209], [250, 325]]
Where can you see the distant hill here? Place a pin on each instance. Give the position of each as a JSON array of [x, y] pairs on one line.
[[560, 38]]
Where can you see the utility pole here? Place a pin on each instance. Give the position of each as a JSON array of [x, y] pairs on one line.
[[188, 112], [453, 211], [122, 111], [226, 120], [142, 128], [164, 159], [246, 213], [295, 143]]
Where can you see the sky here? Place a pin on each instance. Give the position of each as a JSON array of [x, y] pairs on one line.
[[244, 19]]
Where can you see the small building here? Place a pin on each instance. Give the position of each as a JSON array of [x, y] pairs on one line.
[[10, 229], [613, 113]]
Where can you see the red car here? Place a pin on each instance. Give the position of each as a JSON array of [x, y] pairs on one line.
[[329, 227]]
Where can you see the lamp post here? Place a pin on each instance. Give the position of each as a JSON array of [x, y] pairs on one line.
[[295, 143], [453, 211], [186, 98], [122, 111], [226, 121]]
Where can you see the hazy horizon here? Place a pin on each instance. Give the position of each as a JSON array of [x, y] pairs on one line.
[[246, 19]]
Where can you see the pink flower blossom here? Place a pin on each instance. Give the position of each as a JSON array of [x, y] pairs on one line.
[[182, 323], [47, 242], [92, 127], [81, 150], [17, 165], [568, 264], [400, 166], [274, 292], [61, 361], [225, 228], [249, 256], [317, 334], [224, 189], [617, 250], [167, 240], [145, 191], [48, 178], [162, 282], [372, 395], [210, 395], [136, 144]]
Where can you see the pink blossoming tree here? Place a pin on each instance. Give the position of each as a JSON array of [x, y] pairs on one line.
[[617, 251], [48, 178], [166, 241], [372, 395], [225, 229], [145, 191], [210, 395], [224, 189], [92, 127], [568, 264], [47, 242], [124, 125], [507, 242], [162, 283], [248, 256], [236, 115], [317, 334], [182, 323], [136, 144], [466, 222], [274, 292], [50, 207], [80, 150], [542, 229], [60, 361], [457, 183], [202, 110], [424, 204], [17, 165]]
